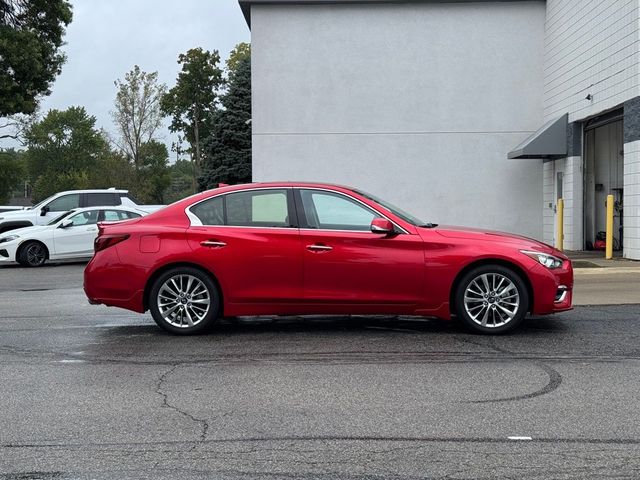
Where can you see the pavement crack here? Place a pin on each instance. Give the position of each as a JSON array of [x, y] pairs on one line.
[[204, 425]]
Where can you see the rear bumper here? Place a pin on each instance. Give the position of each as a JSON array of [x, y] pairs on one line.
[[552, 289], [107, 282]]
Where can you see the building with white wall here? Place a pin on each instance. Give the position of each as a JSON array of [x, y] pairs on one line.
[[424, 101]]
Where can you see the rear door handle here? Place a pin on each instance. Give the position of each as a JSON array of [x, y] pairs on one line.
[[319, 248], [213, 243]]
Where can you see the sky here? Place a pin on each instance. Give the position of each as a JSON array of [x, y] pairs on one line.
[[108, 37]]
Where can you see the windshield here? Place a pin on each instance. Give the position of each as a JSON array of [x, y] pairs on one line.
[[60, 217], [407, 217]]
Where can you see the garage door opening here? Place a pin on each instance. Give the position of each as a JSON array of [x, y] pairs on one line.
[[603, 175]]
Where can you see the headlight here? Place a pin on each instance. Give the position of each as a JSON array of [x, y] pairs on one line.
[[9, 238], [545, 259]]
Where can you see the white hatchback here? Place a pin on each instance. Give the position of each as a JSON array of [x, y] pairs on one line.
[[68, 236]]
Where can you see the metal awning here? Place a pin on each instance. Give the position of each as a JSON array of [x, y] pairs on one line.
[[550, 141]]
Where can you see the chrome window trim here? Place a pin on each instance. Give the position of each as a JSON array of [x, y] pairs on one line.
[[404, 231], [195, 221]]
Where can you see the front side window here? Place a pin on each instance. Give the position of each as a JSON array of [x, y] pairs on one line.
[[84, 218], [255, 208], [332, 211], [64, 203]]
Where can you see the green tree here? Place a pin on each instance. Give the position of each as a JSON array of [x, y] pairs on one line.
[[193, 99], [31, 33], [137, 113], [12, 173], [180, 181], [240, 52], [154, 173], [113, 169], [63, 148], [228, 148]]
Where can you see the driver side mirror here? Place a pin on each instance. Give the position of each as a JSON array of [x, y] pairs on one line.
[[44, 210], [66, 224], [382, 225]]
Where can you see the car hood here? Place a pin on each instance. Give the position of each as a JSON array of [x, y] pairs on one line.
[[13, 214], [518, 241], [28, 231]]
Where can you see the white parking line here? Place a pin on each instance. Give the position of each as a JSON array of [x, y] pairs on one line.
[[519, 438]]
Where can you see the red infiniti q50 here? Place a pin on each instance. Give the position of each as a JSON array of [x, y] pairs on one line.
[[308, 248]]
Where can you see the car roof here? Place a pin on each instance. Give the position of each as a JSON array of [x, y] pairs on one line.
[[109, 207], [94, 190], [283, 184]]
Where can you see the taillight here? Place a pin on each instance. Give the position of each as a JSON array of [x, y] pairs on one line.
[[106, 241]]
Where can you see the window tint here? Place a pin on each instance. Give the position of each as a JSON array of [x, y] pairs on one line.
[[130, 215], [102, 199], [258, 208], [210, 212], [331, 211], [84, 218], [64, 203]]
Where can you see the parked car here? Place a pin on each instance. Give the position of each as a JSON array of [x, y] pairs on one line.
[[310, 248], [68, 236], [52, 207]]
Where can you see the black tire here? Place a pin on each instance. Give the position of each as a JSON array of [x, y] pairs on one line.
[[32, 254], [182, 319], [495, 313]]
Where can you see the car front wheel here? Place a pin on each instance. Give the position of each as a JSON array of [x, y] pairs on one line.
[[184, 301], [32, 254], [491, 299]]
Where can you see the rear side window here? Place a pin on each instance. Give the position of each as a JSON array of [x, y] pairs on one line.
[[210, 212], [117, 215], [256, 208], [64, 203], [102, 200]]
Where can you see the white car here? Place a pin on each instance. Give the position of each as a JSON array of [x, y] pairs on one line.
[[68, 236], [54, 206]]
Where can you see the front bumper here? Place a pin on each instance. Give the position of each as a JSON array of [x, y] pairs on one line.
[[552, 289]]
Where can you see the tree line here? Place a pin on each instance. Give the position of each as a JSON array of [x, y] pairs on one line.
[[209, 109]]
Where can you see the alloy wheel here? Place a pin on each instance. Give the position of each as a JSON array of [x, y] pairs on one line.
[[491, 300], [183, 301], [35, 254]]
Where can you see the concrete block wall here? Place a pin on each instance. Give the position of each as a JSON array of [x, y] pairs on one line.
[[591, 47], [631, 200]]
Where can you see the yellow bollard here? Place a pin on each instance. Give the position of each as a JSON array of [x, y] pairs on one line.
[[609, 250], [560, 214]]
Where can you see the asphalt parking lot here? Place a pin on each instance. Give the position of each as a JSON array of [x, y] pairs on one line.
[[91, 392]]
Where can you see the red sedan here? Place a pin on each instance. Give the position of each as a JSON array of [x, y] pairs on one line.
[[308, 248]]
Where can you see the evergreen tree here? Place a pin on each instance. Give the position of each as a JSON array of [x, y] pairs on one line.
[[228, 148]]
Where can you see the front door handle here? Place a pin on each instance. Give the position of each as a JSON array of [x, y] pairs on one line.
[[319, 248], [213, 243]]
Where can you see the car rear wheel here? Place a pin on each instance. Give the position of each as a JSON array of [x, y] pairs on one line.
[[184, 301], [32, 254], [491, 299]]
